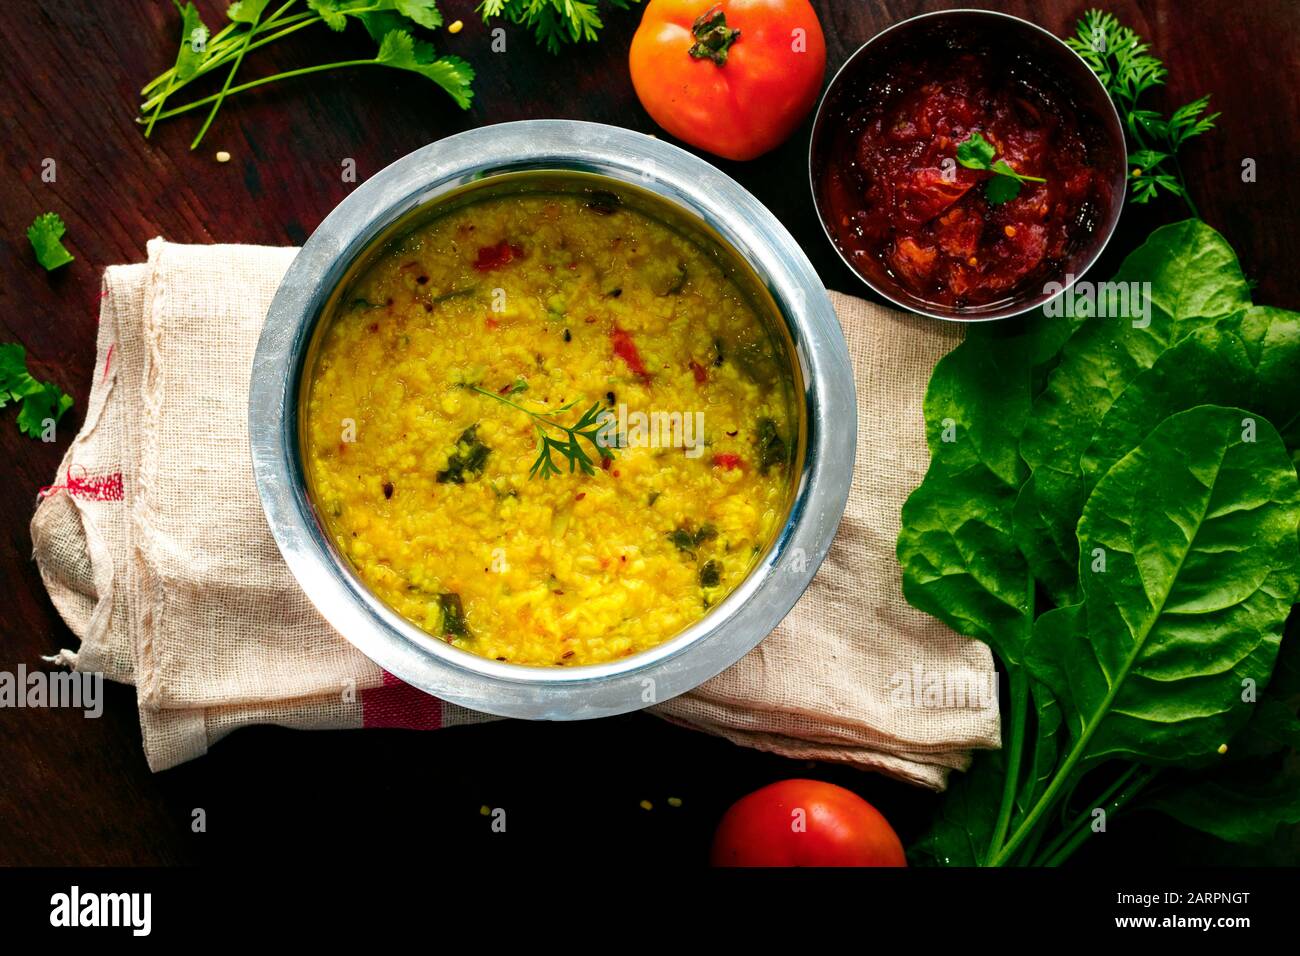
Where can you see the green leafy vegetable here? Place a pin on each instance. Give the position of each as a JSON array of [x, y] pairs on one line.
[[45, 234], [1123, 62], [975, 152], [1101, 465], [40, 401], [1249, 358], [1192, 278], [1254, 792], [553, 22], [960, 562], [1151, 665], [251, 27], [1241, 805], [959, 559], [961, 831]]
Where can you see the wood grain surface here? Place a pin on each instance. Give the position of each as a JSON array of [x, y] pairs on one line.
[[78, 791]]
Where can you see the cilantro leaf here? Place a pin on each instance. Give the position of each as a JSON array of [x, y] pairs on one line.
[[44, 234], [16, 383], [423, 12], [379, 23], [378, 16], [194, 43], [976, 152], [48, 403], [401, 51], [329, 11], [553, 22], [1118, 56], [1001, 189], [246, 11], [40, 400]]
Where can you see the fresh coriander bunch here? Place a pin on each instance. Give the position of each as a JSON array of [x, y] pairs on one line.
[[1123, 62], [254, 24], [554, 23]]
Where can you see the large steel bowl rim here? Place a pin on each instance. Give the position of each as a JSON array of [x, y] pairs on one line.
[[730, 630]]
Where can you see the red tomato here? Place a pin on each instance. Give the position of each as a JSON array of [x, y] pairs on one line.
[[625, 348], [805, 823], [734, 78], [494, 257]]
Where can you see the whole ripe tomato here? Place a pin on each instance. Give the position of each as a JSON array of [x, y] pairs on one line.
[[734, 78], [805, 823]]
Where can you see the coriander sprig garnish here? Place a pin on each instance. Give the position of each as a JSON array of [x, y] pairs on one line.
[[554, 22], [392, 25], [587, 428], [976, 152], [389, 23], [1122, 61]]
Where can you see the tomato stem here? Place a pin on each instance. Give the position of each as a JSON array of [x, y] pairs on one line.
[[713, 38]]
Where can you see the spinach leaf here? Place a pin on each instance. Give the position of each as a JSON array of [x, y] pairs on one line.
[[1043, 524], [1046, 750], [1274, 724], [1251, 359], [1256, 791], [963, 827], [1197, 530], [1194, 280], [958, 558], [1238, 804]]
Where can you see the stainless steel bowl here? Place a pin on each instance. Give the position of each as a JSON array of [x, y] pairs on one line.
[[704, 197], [1018, 40]]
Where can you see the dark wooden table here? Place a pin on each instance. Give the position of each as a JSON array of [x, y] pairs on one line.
[[78, 791]]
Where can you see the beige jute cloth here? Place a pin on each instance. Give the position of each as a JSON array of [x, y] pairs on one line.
[[155, 550]]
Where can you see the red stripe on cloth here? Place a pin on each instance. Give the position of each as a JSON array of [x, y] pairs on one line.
[[398, 704], [93, 487]]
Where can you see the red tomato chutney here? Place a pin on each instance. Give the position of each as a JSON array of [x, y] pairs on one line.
[[898, 201]]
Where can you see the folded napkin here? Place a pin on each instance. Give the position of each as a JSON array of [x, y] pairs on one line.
[[153, 546]]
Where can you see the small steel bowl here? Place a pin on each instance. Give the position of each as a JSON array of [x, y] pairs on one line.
[[710, 202], [1014, 38]]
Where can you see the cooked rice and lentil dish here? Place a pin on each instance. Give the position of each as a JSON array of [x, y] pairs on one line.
[[470, 341]]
